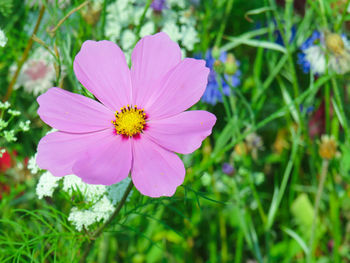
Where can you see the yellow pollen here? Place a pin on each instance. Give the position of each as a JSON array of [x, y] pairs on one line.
[[335, 43], [129, 121]]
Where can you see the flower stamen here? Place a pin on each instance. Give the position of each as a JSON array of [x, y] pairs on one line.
[[129, 121]]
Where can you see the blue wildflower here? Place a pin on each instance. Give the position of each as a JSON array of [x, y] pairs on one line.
[[314, 50], [212, 94]]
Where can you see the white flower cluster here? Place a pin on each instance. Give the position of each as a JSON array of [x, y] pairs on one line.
[[3, 38], [9, 125], [102, 198], [176, 19], [37, 73]]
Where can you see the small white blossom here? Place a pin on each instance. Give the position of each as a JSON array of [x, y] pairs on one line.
[[24, 126], [4, 105], [10, 136], [102, 210], [177, 3], [3, 38], [2, 151], [91, 192], [38, 72], [3, 124], [14, 112], [317, 59], [47, 185], [189, 37], [128, 39], [172, 30], [32, 165], [147, 29]]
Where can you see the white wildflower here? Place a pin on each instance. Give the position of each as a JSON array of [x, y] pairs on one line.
[[189, 37], [3, 38], [10, 136], [91, 192], [47, 185], [172, 30], [3, 124], [147, 29], [14, 112], [32, 165], [24, 126], [317, 59], [2, 151], [37, 73], [177, 3], [85, 218], [128, 39], [4, 105]]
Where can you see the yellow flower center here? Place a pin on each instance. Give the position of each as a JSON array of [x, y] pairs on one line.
[[129, 121], [335, 43]]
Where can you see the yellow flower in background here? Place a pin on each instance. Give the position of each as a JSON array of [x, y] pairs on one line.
[[328, 147]]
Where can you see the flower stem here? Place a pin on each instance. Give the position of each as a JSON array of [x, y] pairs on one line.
[[100, 230], [25, 54], [324, 170]]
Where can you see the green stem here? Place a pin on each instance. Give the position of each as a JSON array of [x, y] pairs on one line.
[[341, 21], [25, 54], [339, 103], [280, 192], [324, 170], [100, 230], [327, 98], [323, 13], [223, 23]]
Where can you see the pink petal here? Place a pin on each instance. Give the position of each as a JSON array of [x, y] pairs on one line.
[[152, 58], [156, 172], [71, 112], [181, 88], [102, 69], [58, 151], [107, 163], [182, 133]]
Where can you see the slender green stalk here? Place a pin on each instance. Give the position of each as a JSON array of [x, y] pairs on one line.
[[327, 98], [278, 196], [223, 23], [25, 54], [323, 14], [341, 21], [339, 105], [100, 230], [324, 171]]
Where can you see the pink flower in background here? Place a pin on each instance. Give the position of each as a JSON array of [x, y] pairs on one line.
[[138, 122]]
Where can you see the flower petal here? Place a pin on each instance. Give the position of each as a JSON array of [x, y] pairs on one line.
[[156, 172], [58, 151], [74, 113], [102, 69], [182, 87], [152, 58], [182, 133], [106, 164]]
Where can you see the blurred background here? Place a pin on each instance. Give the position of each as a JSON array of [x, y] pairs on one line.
[[269, 185]]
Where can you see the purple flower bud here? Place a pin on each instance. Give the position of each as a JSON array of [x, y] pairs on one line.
[[228, 169], [158, 5]]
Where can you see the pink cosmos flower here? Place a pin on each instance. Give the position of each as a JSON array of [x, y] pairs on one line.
[[138, 123]]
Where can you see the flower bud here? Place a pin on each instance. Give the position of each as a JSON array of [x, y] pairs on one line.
[[230, 64], [219, 67]]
